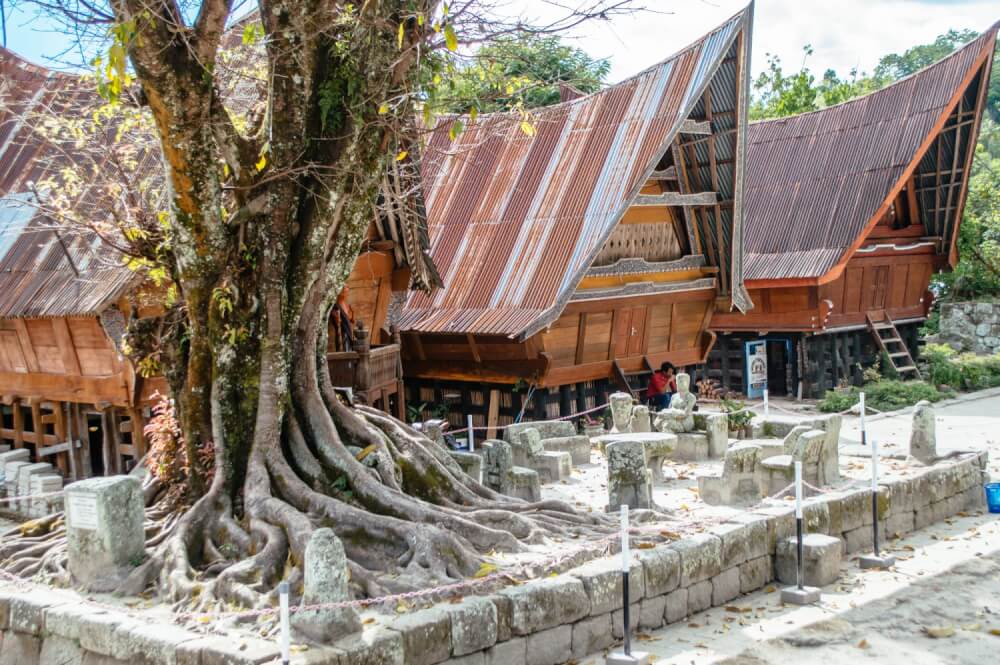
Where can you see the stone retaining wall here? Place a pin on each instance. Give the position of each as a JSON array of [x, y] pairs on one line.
[[544, 622], [970, 326]]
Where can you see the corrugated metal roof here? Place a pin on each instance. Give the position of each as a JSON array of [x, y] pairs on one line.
[[45, 270], [814, 181], [515, 220]]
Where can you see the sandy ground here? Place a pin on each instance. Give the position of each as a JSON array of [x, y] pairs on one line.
[[947, 582]]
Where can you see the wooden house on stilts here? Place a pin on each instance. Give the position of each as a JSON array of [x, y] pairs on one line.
[[849, 212], [588, 247]]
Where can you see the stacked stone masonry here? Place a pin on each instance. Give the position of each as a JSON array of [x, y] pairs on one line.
[[545, 622], [970, 326]]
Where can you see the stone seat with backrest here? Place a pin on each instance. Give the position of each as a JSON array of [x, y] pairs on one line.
[[502, 475], [829, 454], [658, 446], [529, 453], [558, 436], [743, 479], [780, 469]]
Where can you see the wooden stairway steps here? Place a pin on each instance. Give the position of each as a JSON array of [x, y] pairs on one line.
[[879, 321]]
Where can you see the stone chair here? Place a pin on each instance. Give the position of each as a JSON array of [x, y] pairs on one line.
[[557, 436], [529, 452], [780, 469], [501, 475], [830, 452], [743, 480]]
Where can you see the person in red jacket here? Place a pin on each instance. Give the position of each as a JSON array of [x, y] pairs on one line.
[[662, 386]]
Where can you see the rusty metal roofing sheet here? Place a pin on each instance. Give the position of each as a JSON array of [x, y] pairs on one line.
[[514, 219], [814, 181], [45, 269]]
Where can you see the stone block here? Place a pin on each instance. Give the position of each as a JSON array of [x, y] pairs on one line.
[[20, 649], [855, 509], [629, 479], [375, 645], [504, 609], [57, 650], [550, 647], [547, 429], [27, 610], [470, 463], [577, 445], [10, 471], [725, 586], [699, 596], [741, 541], [821, 560], [97, 631], [676, 606], [551, 466], [923, 437], [816, 516], [17, 455], [640, 419], [64, 620], [478, 658], [780, 522], [104, 530], [661, 570], [618, 620], [701, 557], [717, 434], [691, 447], [426, 635], [6, 598], [621, 412], [546, 603], [137, 642], [218, 650], [651, 612], [899, 523], [43, 491], [602, 581], [857, 540], [592, 634], [511, 652], [24, 476], [326, 581], [473, 625], [755, 573], [525, 484]]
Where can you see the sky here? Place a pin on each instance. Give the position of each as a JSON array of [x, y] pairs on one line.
[[843, 33]]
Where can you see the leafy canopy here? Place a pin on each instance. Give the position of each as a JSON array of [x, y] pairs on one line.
[[523, 71]]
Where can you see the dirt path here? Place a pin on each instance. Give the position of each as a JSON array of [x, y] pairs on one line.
[[947, 578]]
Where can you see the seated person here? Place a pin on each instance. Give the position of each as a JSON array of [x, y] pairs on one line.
[[662, 386]]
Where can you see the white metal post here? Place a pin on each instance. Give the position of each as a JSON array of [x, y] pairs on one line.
[[864, 434], [286, 656], [798, 521], [767, 405], [626, 557], [472, 434]]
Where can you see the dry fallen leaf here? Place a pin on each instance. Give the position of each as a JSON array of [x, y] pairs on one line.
[[938, 632], [863, 644]]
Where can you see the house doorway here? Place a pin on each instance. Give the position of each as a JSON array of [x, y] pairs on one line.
[[769, 365]]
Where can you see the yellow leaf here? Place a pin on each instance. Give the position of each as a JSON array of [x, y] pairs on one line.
[[383, 109], [473, 114], [939, 632], [450, 40], [420, 19], [401, 156], [527, 128], [485, 569], [399, 36], [261, 163], [863, 644]]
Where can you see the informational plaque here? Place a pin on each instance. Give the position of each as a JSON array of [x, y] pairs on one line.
[[82, 509]]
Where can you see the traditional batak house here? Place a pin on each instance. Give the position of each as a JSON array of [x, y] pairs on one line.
[[849, 211], [586, 243], [66, 297]]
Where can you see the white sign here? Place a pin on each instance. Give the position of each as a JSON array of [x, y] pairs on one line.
[[82, 510], [756, 353]]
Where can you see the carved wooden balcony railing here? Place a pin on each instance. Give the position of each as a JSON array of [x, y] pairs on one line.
[[374, 373]]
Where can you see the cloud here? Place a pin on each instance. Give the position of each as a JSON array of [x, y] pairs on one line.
[[843, 33]]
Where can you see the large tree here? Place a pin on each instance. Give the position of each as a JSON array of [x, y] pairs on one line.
[[268, 196]]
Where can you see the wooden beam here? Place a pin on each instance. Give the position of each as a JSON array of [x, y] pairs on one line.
[[669, 173], [66, 346], [700, 127], [493, 414], [27, 349], [581, 333], [676, 199], [508, 371], [967, 165], [473, 348], [683, 181]]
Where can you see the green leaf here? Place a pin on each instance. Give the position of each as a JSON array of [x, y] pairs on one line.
[[473, 114], [455, 130], [450, 40]]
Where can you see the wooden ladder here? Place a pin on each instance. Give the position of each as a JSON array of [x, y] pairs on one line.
[[889, 340]]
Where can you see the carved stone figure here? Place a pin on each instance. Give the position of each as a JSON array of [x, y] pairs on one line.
[[680, 416]]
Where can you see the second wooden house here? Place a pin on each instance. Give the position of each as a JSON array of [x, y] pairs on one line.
[[849, 212]]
